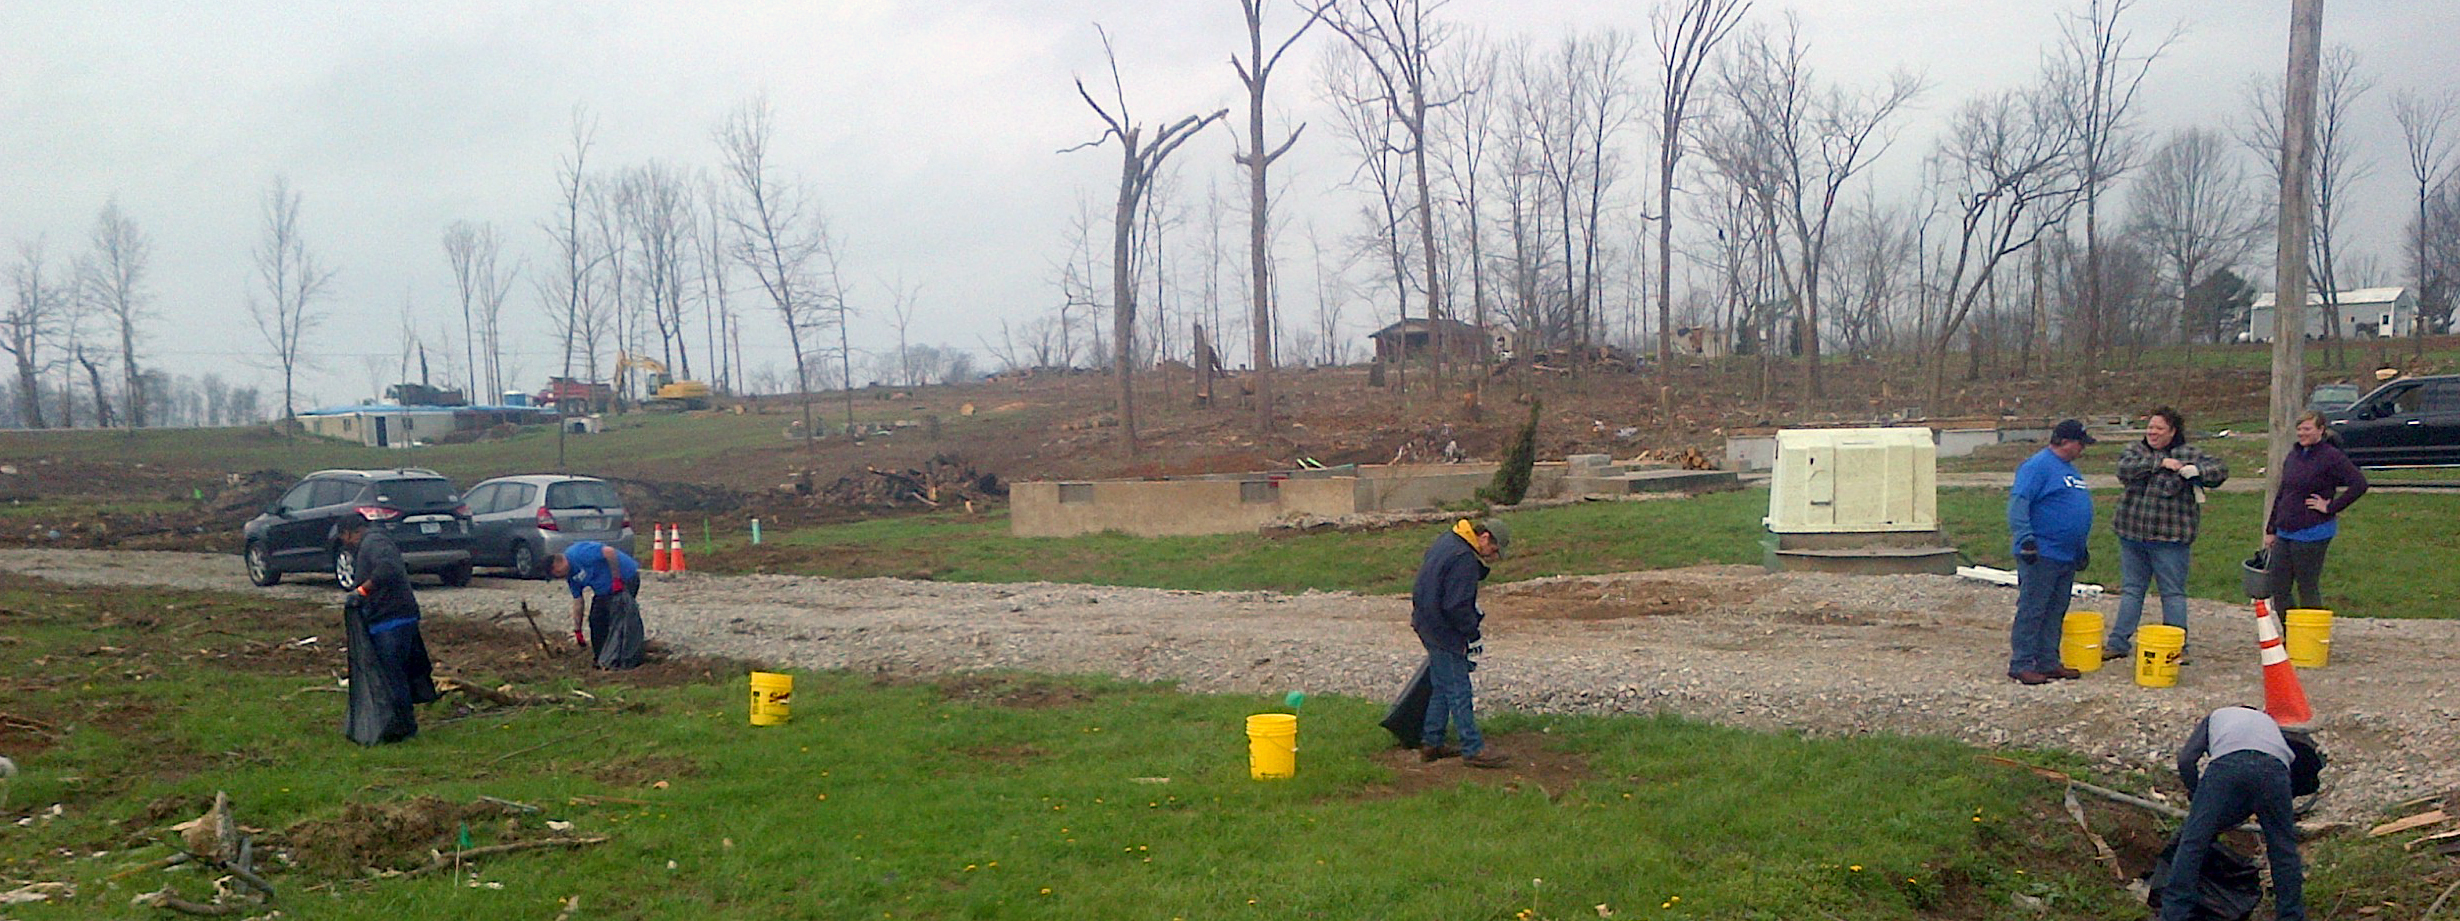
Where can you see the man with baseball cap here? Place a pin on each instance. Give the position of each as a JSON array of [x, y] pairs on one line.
[[2049, 513], [1444, 612]]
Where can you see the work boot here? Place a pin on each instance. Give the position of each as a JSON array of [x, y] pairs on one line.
[[2029, 677], [1486, 758], [1434, 753], [2108, 654], [2063, 673]]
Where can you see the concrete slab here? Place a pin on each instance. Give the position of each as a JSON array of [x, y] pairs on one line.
[[1652, 481], [1868, 561]]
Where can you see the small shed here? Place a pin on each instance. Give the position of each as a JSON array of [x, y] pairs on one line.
[[1415, 338], [2365, 313]]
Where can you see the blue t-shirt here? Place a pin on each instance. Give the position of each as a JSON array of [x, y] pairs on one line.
[[2330, 528], [589, 569], [2050, 505]]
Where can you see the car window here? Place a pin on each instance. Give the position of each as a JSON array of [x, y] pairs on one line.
[[2442, 397], [2410, 400], [582, 494], [299, 497], [518, 495], [331, 492], [481, 500], [415, 492]]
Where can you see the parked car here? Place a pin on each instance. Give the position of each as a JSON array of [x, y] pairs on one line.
[[2331, 398], [300, 532], [522, 521], [2412, 421]]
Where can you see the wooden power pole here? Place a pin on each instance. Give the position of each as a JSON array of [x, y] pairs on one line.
[[2297, 216]]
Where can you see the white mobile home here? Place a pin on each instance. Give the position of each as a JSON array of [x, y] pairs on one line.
[[2365, 313]]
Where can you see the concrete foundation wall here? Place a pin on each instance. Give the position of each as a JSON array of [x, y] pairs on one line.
[[1157, 508]]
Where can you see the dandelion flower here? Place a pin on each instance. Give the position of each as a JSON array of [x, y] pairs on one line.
[[1856, 868]]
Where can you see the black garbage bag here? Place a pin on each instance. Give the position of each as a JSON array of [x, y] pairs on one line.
[[2231, 884], [621, 647], [1407, 718], [380, 688]]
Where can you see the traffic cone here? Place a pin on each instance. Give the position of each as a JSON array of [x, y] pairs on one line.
[[657, 543], [2284, 698], [674, 554]]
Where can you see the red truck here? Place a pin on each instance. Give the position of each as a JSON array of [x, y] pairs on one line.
[[568, 395]]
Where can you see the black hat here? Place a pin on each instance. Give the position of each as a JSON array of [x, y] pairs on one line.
[[2071, 430]]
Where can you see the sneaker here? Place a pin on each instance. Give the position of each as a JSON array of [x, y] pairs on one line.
[[1485, 759], [2109, 654], [2029, 677], [1432, 753], [2063, 673]]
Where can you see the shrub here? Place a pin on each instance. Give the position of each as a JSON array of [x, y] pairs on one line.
[[1511, 482]]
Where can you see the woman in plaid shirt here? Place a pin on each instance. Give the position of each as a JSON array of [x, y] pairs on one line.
[[2165, 479]]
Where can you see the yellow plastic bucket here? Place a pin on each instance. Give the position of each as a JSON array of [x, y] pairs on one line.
[[2158, 647], [2080, 641], [1272, 746], [771, 693], [2308, 634]]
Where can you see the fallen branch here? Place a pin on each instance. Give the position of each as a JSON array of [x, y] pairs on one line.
[[524, 808], [2306, 830], [523, 751], [2438, 901], [442, 860], [497, 696], [166, 899], [2100, 847]]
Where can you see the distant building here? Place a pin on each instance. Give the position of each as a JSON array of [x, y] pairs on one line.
[[1415, 338], [380, 425], [2364, 313]]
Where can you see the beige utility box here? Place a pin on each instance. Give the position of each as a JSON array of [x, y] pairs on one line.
[[1854, 481]]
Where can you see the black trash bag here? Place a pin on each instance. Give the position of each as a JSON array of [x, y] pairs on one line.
[[380, 697], [2306, 763], [621, 646], [2231, 886], [1407, 718]]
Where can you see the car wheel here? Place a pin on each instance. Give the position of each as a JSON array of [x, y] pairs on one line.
[[457, 576], [345, 568], [524, 560], [260, 566]]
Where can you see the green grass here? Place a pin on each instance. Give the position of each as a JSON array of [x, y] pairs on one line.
[[2394, 556], [904, 801], [1587, 538]]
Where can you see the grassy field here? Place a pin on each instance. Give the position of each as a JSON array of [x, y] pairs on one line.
[[1004, 796], [2394, 558]]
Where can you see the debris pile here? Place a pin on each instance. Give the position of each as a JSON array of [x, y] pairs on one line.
[[942, 481]]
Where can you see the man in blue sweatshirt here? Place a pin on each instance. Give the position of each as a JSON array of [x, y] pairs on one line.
[[2049, 512]]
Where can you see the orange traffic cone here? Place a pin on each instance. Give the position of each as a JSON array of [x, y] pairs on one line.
[[674, 554], [657, 541], [2284, 698]]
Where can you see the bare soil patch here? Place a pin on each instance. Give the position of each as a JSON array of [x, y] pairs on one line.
[[1011, 692], [1533, 768], [382, 835]]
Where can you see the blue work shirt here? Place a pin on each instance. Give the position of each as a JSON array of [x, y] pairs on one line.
[[589, 569], [2050, 506]]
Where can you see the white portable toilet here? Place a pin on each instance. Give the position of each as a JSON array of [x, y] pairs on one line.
[[1862, 500]]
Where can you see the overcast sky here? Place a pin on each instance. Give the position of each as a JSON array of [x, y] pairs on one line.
[[929, 130]]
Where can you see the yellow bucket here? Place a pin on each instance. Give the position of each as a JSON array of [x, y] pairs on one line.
[[2158, 647], [2080, 641], [2308, 634], [1272, 745], [771, 693]]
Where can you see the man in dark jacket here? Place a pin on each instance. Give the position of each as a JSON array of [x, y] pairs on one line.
[[389, 668], [1444, 612], [2256, 768]]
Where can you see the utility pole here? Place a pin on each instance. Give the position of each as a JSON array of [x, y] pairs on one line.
[[2289, 301]]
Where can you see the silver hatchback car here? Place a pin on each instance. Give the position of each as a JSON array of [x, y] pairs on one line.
[[519, 522]]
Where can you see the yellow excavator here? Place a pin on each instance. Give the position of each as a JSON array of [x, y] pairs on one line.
[[665, 393]]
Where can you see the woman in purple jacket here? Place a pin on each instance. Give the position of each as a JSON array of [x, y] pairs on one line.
[[2317, 483]]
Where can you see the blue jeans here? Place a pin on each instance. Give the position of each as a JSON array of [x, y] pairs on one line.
[[2041, 606], [1449, 703], [2234, 786], [2140, 564]]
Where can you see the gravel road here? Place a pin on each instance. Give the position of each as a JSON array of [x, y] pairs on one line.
[[1827, 655]]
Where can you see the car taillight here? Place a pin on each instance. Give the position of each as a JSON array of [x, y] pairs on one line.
[[461, 511], [546, 521], [378, 513]]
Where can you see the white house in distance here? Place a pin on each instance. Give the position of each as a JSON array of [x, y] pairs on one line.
[[2364, 313]]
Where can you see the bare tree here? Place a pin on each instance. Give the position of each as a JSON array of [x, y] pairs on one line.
[[2097, 80], [293, 280], [717, 316], [481, 284], [1140, 159], [1254, 73], [659, 214], [2193, 208], [37, 312], [2332, 168], [1398, 42], [903, 300], [1470, 124], [111, 280], [1687, 33], [1362, 118], [2423, 121], [570, 290], [779, 235], [2008, 164], [1801, 143]]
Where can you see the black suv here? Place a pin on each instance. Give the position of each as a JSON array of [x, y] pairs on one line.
[[2409, 421], [300, 531]]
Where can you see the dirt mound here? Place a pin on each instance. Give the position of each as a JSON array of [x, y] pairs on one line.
[[382, 836], [942, 481]]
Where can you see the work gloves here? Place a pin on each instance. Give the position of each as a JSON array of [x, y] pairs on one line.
[[2190, 471], [2029, 553], [578, 639]]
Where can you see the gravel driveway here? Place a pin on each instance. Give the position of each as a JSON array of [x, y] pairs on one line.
[[1823, 654]]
